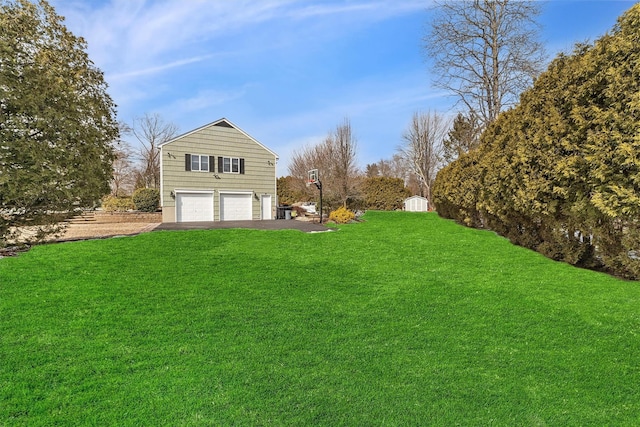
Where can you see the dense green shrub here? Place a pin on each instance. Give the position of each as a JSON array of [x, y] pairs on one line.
[[146, 199], [117, 204], [560, 172], [384, 193], [341, 215]]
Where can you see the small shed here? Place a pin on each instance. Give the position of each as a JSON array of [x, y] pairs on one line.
[[416, 204]]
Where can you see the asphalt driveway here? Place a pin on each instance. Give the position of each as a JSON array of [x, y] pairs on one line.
[[277, 224]]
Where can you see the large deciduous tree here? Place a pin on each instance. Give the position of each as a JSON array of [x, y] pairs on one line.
[[151, 130], [57, 121], [422, 148], [485, 52], [342, 167], [335, 159]]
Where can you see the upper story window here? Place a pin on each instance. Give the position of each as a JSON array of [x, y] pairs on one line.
[[231, 165], [198, 163]]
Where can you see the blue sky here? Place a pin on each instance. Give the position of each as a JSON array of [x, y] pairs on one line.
[[287, 71]]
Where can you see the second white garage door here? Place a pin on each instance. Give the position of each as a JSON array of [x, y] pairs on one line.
[[235, 207], [194, 207]]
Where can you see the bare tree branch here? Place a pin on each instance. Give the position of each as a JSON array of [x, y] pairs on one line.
[[422, 148], [485, 52], [151, 130], [335, 159]]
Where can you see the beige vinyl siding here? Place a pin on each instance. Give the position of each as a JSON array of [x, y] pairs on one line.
[[218, 141]]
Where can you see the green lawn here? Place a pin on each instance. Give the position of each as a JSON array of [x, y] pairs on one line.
[[404, 319]]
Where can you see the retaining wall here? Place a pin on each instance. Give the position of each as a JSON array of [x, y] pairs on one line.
[[128, 216]]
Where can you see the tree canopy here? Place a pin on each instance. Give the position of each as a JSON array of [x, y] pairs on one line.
[[560, 173], [57, 121]]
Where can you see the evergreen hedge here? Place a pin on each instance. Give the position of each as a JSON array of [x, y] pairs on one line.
[[146, 199], [560, 172], [384, 193]]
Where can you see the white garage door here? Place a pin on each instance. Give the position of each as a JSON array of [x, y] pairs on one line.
[[192, 207], [235, 207]]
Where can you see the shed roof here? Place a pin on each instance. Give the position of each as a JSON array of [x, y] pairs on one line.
[[416, 197]]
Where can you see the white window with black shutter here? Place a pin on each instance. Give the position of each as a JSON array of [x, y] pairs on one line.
[[231, 165], [199, 163]]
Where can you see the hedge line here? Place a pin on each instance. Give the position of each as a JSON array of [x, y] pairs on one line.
[[560, 172]]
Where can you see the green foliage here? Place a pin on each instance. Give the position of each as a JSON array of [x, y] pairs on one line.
[[57, 119], [341, 215], [560, 173], [384, 193], [117, 204], [413, 318], [463, 137], [146, 199]]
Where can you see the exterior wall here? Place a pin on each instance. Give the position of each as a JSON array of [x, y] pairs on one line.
[[218, 141]]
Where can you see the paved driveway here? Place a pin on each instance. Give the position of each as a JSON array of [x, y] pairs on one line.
[[277, 224]]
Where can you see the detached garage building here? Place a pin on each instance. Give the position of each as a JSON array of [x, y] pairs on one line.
[[217, 173]]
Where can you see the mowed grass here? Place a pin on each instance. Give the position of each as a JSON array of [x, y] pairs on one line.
[[404, 319]]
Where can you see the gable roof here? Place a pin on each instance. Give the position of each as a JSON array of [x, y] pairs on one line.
[[223, 122]]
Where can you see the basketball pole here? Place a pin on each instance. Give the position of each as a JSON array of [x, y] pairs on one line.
[[314, 177], [319, 185]]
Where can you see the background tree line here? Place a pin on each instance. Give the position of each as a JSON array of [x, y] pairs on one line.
[[560, 172], [383, 185]]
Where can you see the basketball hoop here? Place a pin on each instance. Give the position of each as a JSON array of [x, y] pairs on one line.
[[312, 177]]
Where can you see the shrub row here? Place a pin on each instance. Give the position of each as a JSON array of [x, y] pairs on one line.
[[143, 200], [117, 204], [560, 173]]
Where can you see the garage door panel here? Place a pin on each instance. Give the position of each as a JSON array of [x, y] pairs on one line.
[[193, 207], [235, 207]]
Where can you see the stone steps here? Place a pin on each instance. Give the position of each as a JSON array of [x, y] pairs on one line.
[[84, 217]]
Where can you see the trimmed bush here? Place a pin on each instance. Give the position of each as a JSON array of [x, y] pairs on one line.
[[146, 199], [117, 204], [342, 216]]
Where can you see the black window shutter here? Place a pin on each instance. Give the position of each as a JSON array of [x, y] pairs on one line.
[[220, 166], [212, 166], [187, 162], [242, 166]]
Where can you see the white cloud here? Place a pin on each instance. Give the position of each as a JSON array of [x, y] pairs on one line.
[[160, 67], [122, 33]]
